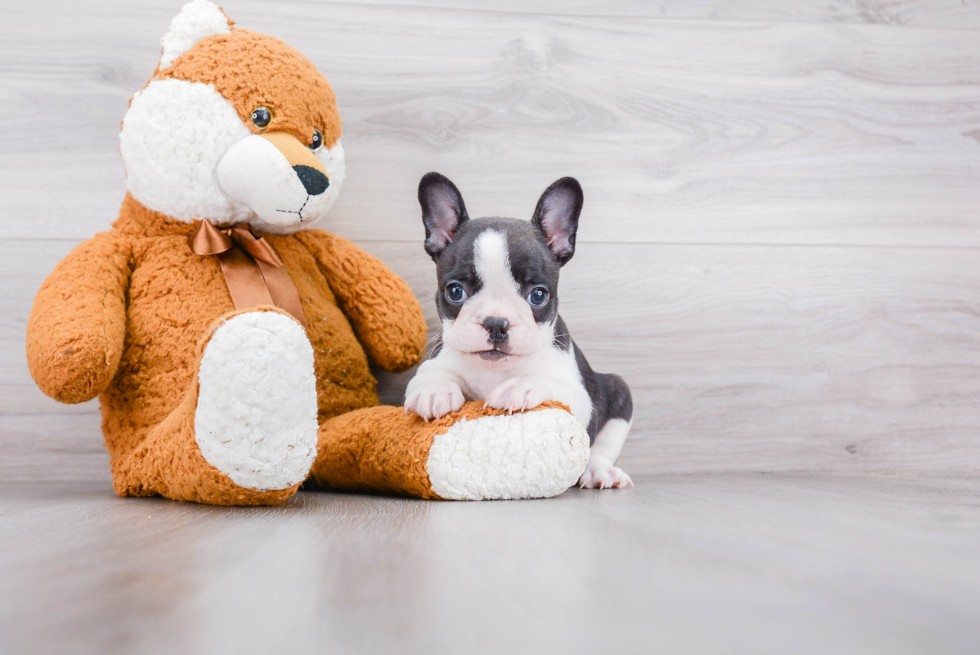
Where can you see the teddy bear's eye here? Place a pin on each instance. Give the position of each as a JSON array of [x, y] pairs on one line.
[[261, 117], [317, 141]]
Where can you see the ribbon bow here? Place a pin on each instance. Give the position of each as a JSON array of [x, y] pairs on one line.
[[253, 270]]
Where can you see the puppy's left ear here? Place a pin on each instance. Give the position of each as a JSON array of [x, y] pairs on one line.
[[557, 217]]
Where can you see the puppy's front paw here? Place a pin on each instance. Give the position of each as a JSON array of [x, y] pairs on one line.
[[516, 395], [435, 400], [604, 476]]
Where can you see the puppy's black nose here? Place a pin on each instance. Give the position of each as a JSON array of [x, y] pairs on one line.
[[313, 180], [496, 329]]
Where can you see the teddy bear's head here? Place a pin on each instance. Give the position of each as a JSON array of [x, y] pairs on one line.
[[233, 127]]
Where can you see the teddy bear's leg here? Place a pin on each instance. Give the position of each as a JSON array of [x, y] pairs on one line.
[[246, 431], [473, 454]]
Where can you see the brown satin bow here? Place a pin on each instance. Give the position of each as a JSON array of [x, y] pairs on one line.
[[253, 270]]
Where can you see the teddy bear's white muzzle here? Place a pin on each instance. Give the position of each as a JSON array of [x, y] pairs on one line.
[[283, 197]]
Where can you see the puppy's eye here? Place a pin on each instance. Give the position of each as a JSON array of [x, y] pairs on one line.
[[317, 141], [261, 117], [455, 293], [538, 297]]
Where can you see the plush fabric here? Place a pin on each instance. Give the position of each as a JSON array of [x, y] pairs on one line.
[[126, 314], [473, 454], [262, 435], [253, 70], [196, 21]]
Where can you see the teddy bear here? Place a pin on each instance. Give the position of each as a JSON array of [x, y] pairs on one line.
[[228, 339]]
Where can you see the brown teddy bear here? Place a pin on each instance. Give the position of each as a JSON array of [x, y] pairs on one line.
[[228, 341]]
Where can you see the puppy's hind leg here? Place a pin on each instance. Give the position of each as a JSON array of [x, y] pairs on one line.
[[601, 472]]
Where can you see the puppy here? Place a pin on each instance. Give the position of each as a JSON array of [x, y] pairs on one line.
[[502, 339]]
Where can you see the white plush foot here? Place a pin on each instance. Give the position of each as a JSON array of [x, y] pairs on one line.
[[434, 400], [604, 476], [256, 417], [516, 395], [534, 455]]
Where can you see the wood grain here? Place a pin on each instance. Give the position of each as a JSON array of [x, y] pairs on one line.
[[681, 131], [759, 564], [955, 14]]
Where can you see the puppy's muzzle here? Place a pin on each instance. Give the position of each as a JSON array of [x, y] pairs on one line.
[[496, 329]]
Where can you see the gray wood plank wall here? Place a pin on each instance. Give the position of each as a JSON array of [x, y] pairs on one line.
[[779, 248]]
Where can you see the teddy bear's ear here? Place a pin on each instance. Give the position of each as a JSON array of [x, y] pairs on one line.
[[197, 19]]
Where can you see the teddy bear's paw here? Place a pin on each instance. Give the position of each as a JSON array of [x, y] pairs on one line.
[[537, 454], [256, 418]]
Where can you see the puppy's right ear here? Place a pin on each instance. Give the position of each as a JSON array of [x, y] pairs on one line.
[[443, 212]]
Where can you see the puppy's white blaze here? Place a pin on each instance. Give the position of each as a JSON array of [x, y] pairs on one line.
[[172, 138], [197, 20], [532, 455], [492, 263]]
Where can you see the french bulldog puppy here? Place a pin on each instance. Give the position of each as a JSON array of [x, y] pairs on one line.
[[502, 339]]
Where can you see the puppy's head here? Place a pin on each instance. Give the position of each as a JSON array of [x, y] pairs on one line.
[[498, 277]]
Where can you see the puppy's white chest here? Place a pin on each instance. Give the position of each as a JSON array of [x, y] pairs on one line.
[[552, 374]]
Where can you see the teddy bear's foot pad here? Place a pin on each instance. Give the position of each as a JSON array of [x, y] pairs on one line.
[[256, 418], [535, 454]]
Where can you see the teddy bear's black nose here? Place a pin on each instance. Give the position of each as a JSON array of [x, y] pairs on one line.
[[313, 180]]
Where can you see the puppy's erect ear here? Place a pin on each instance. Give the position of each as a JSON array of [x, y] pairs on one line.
[[443, 212], [557, 217], [197, 19]]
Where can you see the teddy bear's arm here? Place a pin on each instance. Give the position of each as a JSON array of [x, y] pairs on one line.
[[381, 307], [78, 322]]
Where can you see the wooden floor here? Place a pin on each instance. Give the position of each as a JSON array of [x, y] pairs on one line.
[[680, 564]]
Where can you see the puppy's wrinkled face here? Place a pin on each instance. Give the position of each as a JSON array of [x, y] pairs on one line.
[[498, 292], [498, 277]]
